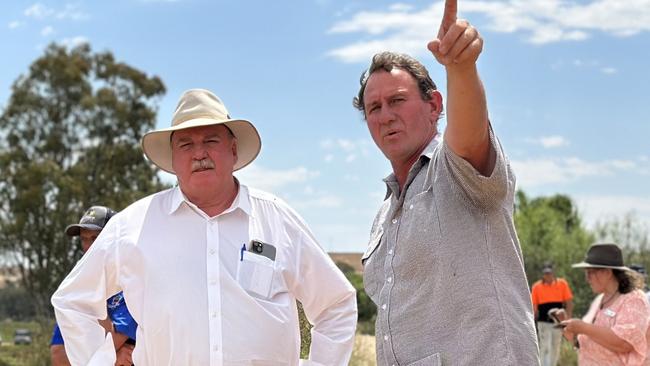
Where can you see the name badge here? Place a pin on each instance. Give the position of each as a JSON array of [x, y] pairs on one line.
[[609, 312]]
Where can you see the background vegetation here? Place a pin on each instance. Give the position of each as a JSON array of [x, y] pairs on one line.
[[69, 138]]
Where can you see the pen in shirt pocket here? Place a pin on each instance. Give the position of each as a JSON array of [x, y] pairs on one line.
[[241, 252]]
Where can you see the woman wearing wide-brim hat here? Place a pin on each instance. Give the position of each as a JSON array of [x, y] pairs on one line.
[[616, 330]]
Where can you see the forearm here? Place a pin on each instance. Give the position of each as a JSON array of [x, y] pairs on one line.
[[118, 339], [607, 338], [58, 356], [467, 117], [568, 307]]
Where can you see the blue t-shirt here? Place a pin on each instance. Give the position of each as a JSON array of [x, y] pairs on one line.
[[119, 314]]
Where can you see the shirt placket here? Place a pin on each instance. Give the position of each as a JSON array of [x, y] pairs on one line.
[[387, 286], [214, 293]]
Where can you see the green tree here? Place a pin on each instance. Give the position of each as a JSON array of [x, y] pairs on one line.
[[69, 138], [631, 234], [550, 230]]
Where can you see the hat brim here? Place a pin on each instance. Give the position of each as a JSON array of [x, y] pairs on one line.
[[589, 265], [157, 145], [75, 229]]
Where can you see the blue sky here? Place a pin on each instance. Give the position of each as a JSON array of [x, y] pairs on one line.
[[567, 86]]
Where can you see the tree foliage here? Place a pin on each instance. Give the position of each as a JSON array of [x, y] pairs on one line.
[[69, 139], [631, 234], [550, 230]]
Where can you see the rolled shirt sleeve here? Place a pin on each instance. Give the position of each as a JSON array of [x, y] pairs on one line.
[[481, 191]]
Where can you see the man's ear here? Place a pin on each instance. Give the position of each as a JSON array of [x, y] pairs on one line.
[[234, 149], [436, 104]]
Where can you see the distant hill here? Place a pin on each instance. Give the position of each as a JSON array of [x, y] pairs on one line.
[[351, 259]]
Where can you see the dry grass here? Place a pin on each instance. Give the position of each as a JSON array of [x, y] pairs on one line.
[[363, 353]]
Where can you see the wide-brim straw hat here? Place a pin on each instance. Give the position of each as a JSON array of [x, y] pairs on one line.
[[196, 108], [603, 255]]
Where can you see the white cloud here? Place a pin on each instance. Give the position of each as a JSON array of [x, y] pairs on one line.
[[350, 150], [344, 144], [74, 41], [600, 207], [351, 178], [594, 65], [553, 141], [405, 29], [47, 31], [400, 7], [323, 201], [38, 11], [73, 12], [41, 12], [270, 180], [539, 172], [550, 142], [15, 24]]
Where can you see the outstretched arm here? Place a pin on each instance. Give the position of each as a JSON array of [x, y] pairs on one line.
[[458, 47]]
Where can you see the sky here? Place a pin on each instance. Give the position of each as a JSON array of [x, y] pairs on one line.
[[566, 82]]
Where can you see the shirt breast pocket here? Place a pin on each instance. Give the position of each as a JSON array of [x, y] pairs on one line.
[[371, 270], [255, 274]]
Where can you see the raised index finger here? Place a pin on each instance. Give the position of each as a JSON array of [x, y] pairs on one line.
[[449, 14]]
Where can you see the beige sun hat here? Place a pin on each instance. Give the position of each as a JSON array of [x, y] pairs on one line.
[[196, 108]]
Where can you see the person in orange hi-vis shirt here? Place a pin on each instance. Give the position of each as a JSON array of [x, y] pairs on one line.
[[552, 298]]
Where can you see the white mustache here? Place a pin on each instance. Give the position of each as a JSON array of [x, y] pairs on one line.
[[202, 164]]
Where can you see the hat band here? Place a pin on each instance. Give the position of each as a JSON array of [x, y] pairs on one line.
[[199, 116]]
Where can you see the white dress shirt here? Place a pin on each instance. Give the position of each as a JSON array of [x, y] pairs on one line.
[[197, 297]]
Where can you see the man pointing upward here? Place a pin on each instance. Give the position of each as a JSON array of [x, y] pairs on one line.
[[443, 264]]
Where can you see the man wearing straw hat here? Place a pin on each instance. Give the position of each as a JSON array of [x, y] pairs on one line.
[[211, 269]]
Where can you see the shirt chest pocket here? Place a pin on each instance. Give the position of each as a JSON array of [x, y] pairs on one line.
[[255, 274], [372, 267]]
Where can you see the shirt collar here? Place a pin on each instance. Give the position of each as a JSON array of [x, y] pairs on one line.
[[425, 155], [241, 201]]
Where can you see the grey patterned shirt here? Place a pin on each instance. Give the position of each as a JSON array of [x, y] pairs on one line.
[[445, 268]]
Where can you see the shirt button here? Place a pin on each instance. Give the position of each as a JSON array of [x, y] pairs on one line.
[[410, 207], [385, 337], [215, 347], [213, 282], [389, 279], [212, 251], [214, 314], [390, 252], [394, 221], [383, 307]]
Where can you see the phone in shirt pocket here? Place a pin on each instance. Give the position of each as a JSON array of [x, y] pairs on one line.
[[256, 269]]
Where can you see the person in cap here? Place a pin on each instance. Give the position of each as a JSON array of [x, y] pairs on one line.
[[119, 322], [550, 295], [616, 329], [443, 263], [211, 269]]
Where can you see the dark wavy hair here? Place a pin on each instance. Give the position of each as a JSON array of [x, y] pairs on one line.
[[628, 281], [387, 61]]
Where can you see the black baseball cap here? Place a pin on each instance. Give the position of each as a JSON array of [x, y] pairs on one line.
[[638, 268], [95, 218], [547, 268]]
